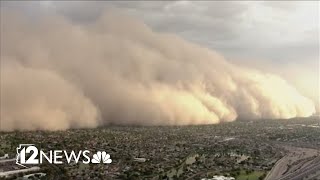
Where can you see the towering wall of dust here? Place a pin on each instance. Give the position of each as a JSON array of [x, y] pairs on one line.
[[59, 75]]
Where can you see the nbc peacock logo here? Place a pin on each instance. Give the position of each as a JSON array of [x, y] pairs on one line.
[[101, 157]]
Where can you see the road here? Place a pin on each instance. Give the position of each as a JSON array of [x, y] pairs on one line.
[[297, 164], [304, 172]]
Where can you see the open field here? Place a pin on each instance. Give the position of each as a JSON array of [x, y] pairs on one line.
[[251, 176]]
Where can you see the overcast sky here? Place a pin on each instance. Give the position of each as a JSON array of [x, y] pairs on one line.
[[277, 36]]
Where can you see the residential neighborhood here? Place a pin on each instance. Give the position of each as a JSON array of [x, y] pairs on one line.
[[237, 150]]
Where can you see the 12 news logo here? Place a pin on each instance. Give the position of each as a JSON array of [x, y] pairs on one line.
[[29, 154]]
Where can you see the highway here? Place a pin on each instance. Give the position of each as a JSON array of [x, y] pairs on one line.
[[304, 172], [298, 164]]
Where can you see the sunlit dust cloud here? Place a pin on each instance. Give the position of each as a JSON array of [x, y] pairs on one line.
[[57, 75]]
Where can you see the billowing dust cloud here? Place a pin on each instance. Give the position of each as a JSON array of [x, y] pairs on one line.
[[57, 75]]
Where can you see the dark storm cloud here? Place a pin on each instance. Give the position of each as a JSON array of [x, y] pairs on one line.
[[216, 24], [208, 20]]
